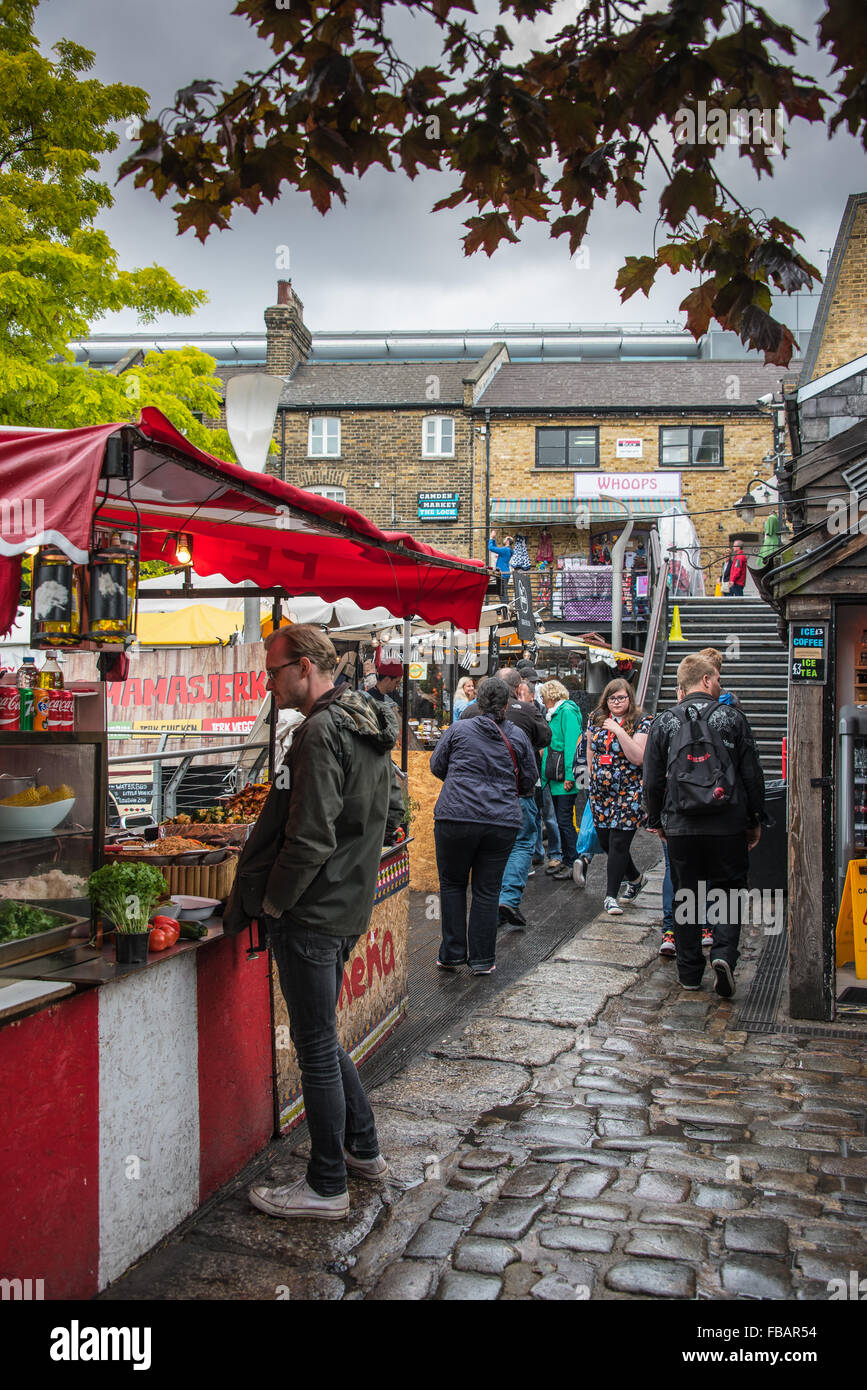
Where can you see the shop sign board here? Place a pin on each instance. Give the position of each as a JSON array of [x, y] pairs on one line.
[[167, 726], [631, 448], [228, 726], [132, 787], [665, 485], [526, 622], [438, 506], [808, 654]]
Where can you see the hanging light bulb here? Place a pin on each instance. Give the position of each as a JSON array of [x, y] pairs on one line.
[[183, 550]]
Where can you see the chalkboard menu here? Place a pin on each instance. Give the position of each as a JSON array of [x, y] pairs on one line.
[[808, 654]]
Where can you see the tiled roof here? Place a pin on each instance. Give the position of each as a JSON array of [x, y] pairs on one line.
[[376, 383], [632, 385]]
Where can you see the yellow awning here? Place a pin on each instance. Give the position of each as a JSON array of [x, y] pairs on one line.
[[199, 625]]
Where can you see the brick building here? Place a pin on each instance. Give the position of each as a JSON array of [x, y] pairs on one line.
[[505, 443], [449, 434], [692, 431]]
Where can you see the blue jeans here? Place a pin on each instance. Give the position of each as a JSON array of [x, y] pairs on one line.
[[667, 894], [521, 857], [464, 848], [310, 965], [549, 816]]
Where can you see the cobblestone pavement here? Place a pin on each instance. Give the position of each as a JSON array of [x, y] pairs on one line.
[[593, 1132], [638, 1147]]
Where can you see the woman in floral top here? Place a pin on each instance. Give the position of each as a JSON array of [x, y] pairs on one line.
[[616, 735]]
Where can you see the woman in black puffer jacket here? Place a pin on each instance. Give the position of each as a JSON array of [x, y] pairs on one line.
[[485, 765]]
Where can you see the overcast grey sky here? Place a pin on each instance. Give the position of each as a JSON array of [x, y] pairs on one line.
[[384, 261]]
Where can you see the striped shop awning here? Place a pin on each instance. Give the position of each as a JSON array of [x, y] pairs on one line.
[[538, 510]]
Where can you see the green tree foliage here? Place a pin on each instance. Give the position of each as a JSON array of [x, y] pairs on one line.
[[58, 271], [547, 138]]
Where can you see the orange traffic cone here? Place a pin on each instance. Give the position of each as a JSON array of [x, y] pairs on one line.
[[676, 635]]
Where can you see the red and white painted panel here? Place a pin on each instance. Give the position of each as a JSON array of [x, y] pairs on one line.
[[130, 1104]]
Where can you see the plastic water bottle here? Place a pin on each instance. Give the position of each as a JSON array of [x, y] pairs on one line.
[[27, 674]]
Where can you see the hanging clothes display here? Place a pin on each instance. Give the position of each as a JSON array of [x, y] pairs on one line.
[[520, 554]]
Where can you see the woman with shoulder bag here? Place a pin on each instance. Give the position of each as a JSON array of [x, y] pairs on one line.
[[485, 764], [617, 734], [558, 760]]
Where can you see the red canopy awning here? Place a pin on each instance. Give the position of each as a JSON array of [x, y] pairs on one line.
[[247, 526]]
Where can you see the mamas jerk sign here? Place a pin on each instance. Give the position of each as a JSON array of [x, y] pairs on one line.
[[195, 695], [185, 691]]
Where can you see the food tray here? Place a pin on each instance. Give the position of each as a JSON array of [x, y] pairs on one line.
[[41, 942], [179, 857], [223, 835]]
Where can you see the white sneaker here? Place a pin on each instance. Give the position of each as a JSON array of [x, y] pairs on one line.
[[579, 869], [372, 1168], [299, 1199], [613, 908]]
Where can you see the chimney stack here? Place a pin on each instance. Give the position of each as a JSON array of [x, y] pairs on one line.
[[289, 340]]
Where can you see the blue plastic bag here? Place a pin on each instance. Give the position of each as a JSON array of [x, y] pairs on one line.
[[588, 840]]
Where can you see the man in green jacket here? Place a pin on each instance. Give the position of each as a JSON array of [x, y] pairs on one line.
[[309, 872]]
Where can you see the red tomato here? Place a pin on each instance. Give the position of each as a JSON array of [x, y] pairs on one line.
[[170, 926], [166, 923], [158, 940]]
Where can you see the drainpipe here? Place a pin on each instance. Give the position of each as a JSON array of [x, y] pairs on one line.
[[487, 480], [617, 578]]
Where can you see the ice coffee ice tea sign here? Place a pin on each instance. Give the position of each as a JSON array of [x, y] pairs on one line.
[[808, 656]]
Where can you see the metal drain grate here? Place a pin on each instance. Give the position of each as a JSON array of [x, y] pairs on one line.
[[759, 1009]]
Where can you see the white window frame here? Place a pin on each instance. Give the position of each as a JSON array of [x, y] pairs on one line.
[[324, 490], [325, 452], [438, 452]]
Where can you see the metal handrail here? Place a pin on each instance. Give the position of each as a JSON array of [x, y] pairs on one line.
[[182, 753], [656, 646]]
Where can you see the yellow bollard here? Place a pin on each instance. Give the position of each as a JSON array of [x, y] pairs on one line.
[[676, 635]]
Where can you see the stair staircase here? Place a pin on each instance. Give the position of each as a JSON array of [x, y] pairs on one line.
[[755, 667]]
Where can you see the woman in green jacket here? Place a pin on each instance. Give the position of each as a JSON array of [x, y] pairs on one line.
[[564, 716]]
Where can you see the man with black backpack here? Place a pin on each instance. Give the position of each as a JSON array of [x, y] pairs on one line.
[[705, 796]]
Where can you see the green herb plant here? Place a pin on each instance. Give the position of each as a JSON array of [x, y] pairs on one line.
[[18, 920], [127, 893]]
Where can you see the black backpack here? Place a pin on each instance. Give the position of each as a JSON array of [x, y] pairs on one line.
[[700, 776]]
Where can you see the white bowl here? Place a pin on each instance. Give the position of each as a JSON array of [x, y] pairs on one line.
[[23, 819], [190, 909]]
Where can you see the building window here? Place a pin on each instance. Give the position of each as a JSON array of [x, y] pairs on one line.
[[567, 448], [691, 446], [438, 436], [324, 437], [334, 494]]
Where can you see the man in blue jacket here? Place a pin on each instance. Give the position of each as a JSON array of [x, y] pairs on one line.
[[502, 552]]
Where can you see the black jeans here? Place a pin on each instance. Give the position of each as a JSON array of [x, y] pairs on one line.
[[564, 805], [310, 965], [617, 844], [699, 865], [464, 848]]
